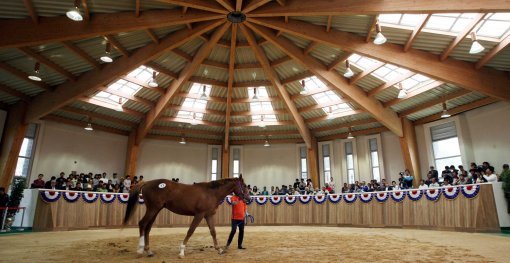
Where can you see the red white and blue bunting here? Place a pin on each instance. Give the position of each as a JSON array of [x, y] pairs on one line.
[[290, 199], [335, 198], [305, 199], [250, 201], [107, 198], [433, 194], [275, 199], [470, 191], [398, 196], [320, 199], [415, 195], [90, 197], [451, 192], [366, 197], [123, 198], [261, 200], [382, 197], [71, 197], [50, 196], [140, 199], [350, 198]]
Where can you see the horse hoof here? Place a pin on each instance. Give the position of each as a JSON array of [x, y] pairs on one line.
[[140, 251], [150, 255], [181, 256], [220, 251]]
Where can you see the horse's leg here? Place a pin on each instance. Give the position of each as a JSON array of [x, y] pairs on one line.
[[150, 213], [192, 227], [210, 223], [147, 231]]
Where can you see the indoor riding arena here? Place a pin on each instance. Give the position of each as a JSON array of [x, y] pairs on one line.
[[254, 131]]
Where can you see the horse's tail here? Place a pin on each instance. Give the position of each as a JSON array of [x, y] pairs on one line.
[[133, 198]]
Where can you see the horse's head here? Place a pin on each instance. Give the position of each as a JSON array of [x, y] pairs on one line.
[[241, 190]]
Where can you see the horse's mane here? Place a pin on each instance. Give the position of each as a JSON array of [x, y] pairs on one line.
[[219, 183]]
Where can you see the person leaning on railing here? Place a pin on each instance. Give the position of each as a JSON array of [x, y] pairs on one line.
[[505, 178]]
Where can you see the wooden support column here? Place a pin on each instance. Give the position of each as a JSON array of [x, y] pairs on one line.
[[410, 150], [225, 162], [313, 163], [132, 154], [14, 134]]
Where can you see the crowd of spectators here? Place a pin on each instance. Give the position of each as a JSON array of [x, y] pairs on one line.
[[89, 182]]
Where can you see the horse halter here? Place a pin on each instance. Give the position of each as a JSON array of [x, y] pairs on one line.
[[242, 190]]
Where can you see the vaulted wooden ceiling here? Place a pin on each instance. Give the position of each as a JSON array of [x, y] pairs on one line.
[[278, 45]]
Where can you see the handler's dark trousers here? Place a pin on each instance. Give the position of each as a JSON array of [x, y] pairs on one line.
[[235, 224]]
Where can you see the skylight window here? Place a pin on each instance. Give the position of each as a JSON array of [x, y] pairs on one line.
[[198, 88], [124, 86], [142, 73], [267, 117], [362, 62], [313, 82], [390, 72], [261, 92], [338, 108], [411, 20], [261, 106], [415, 82], [190, 115], [326, 97], [495, 25], [450, 22], [194, 103]]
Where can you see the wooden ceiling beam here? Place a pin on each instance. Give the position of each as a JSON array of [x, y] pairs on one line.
[[144, 85], [264, 133], [128, 96], [86, 11], [297, 77], [178, 139], [310, 47], [461, 73], [22, 75], [206, 5], [328, 23], [255, 83], [494, 51], [208, 81], [280, 61], [252, 113], [83, 124], [257, 123], [117, 45], [176, 85], [16, 93], [215, 64], [248, 100], [204, 111], [322, 105], [152, 35], [31, 11], [97, 115], [198, 122], [99, 103], [386, 116], [354, 133], [282, 92], [416, 31], [371, 28], [345, 125], [271, 141], [50, 64], [341, 59], [310, 93], [390, 83], [182, 54], [82, 54], [254, 4], [457, 110], [22, 32], [159, 69], [461, 35], [91, 80], [365, 72], [415, 92], [231, 64], [137, 8], [197, 96], [186, 130], [433, 102], [248, 66], [239, 5], [374, 7], [226, 4]]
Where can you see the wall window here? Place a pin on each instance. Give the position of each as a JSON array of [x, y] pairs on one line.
[[374, 159], [445, 145], [349, 160], [326, 162], [236, 162], [26, 154], [303, 162], [214, 163]]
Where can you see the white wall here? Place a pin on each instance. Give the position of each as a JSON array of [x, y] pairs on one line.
[[169, 159], [68, 148], [266, 166], [392, 156]]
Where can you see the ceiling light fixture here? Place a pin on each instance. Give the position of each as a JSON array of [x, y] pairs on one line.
[[262, 124], [203, 95], [255, 98], [35, 76], [206, 72], [118, 107], [106, 57], [445, 113], [350, 136], [152, 82], [402, 92], [303, 86], [476, 47], [89, 126], [266, 143], [194, 120], [379, 38], [74, 13], [330, 113], [348, 72], [183, 140]]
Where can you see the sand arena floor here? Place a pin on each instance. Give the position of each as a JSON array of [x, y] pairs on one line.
[[264, 244]]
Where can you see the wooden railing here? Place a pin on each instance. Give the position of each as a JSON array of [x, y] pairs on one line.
[[454, 209]]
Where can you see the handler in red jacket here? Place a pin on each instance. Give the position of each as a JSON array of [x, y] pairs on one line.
[[238, 214]]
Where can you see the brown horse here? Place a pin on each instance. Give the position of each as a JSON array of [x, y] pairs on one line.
[[198, 200]]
